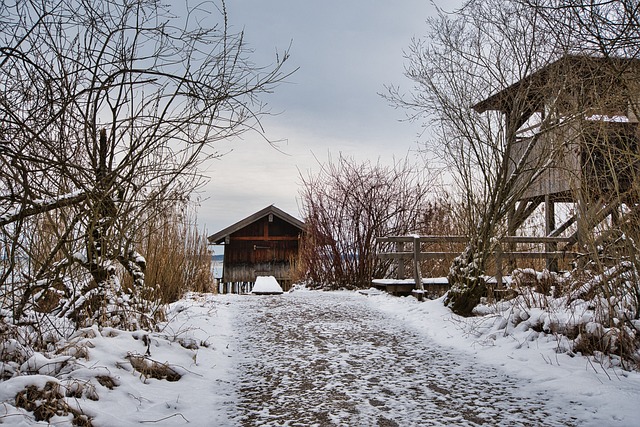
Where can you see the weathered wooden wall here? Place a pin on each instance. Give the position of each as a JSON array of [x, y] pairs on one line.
[[593, 156], [563, 176]]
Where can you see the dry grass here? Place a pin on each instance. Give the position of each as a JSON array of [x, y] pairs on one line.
[[48, 402], [178, 257], [149, 368]]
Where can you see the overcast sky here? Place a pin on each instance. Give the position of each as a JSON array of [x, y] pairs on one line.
[[346, 52]]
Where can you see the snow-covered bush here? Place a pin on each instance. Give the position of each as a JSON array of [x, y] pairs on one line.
[[587, 313], [468, 285]]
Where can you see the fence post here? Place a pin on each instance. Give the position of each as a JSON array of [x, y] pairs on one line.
[[417, 274], [400, 273]]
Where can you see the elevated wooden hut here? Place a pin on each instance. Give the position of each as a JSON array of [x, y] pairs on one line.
[[263, 244], [581, 113]]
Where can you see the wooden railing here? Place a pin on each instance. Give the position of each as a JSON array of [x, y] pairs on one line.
[[503, 250]]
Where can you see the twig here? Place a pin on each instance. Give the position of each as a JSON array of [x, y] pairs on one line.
[[547, 361], [595, 370], [166, 418]]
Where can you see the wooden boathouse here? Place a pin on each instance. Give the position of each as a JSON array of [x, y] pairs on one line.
[[263, 244]]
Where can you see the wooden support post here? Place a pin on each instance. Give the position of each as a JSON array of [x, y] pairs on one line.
[[417, 274], [511, 226], [550, 225], [400, 270], [418, 290]]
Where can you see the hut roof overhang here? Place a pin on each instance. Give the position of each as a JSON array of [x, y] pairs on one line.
[[219, 237], [532, 90]]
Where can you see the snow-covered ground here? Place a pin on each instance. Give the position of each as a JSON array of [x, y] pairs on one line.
[[335, 358], [599, 395]]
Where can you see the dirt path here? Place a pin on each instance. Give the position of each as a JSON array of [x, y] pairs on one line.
[[329, 359]]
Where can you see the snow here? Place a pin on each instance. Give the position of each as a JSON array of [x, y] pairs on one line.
[[81, 257], [12, 214], [425, 281], [606, 118], [136, 398], [9, 389], [266, 285], [216, 344], [609, 396]]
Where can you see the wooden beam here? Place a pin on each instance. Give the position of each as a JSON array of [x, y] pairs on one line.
[[534, 239], [558, 231], [424, 256], [263, 239], [417, 274], [594, 216], [424, 239], [524, 211]]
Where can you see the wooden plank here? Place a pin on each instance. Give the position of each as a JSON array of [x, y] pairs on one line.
[[399, 239], [395, 255], [440, 255], [595, 215], [534, 239], [524, 210], [424, 239], [423, 255], [464, 239], [550, 225], [499, 255], [263, 239], [528, 255]]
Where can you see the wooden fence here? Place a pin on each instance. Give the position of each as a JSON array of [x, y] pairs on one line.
[[504, 250]]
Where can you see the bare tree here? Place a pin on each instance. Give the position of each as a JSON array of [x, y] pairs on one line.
[[108, 111], [602, 27], [346, 206], [494, 80], [481, 49]]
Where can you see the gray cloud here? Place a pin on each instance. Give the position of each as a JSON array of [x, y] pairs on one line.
[[347, 51]]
